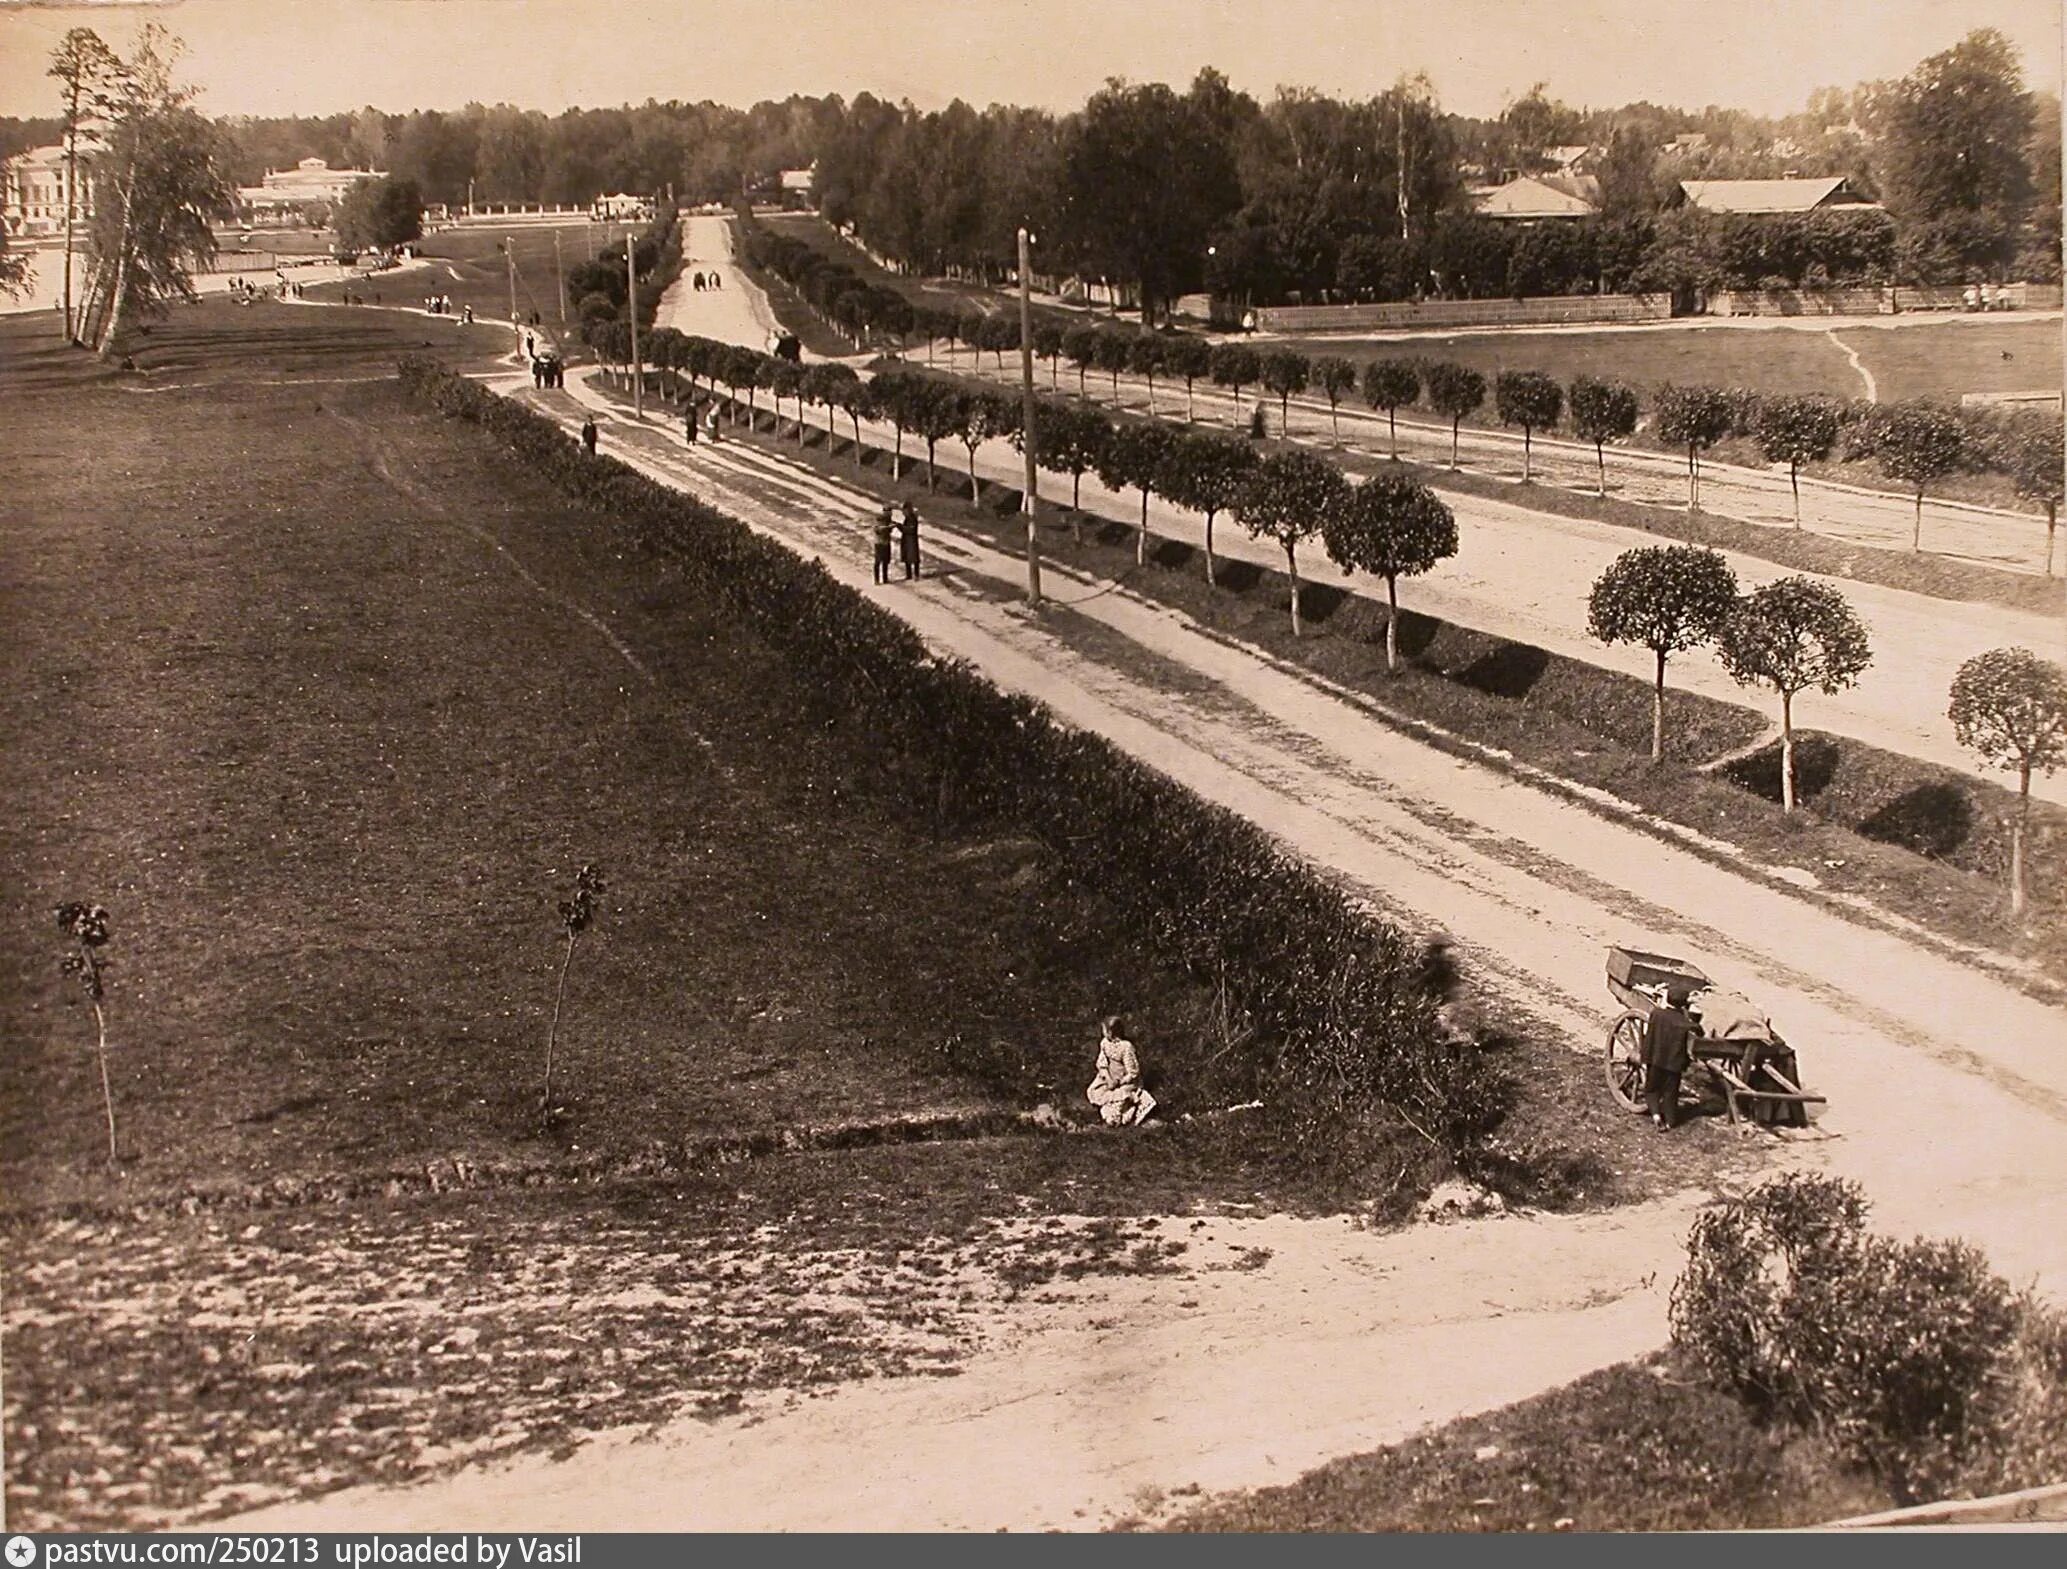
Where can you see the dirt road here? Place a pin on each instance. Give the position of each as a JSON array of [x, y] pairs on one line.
[[1526, 575], [1949, 1101]]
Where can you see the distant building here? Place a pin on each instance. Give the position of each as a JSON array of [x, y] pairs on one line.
[[286, 195], [800, 182], [1773, 196], [1569, 160], [33, 201], [1687, 144], [1536, 198], [621, 209]]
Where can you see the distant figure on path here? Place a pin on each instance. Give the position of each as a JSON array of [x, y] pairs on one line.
[[689, 426], [710, 422], [883, 526], [714, 280], [1668, 1048], [588, 436], [1116, 1086], [908, 541], [529, 352]]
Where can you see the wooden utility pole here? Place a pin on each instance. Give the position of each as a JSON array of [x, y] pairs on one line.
[[631, 312], [560, 277], [509, 256], [1026, 418]]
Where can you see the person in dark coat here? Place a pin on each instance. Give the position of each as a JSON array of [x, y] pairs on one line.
[[908, 540], [588, 437], [883, 526], [689, 426], [1668, 1048]]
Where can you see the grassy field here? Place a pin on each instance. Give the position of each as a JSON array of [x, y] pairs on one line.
[[467, 264], [327, 708], [1940, 357]]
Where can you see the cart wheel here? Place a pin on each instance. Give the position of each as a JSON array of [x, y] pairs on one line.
[[1625, 1061]]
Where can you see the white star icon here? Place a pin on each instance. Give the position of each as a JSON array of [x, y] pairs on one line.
[[21, 1551]]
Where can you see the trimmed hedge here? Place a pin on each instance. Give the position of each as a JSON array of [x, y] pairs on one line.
[[1347, 1025]]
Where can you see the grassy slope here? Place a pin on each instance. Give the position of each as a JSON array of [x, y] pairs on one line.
[[1638, 1447], [283, 697]]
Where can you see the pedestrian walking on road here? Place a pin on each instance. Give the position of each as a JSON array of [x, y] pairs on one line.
[[1668, 1048], [908, 541], [883, 526], [588, 436], [529, 352], [689, 426]]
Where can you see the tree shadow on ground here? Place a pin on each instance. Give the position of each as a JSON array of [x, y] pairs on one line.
[[1511, 670], [1173, 554], [1318, 602], [1932, 819], [1815, 765], [1237, 577]]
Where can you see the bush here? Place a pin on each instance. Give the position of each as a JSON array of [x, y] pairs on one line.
[[1899, 1353], [1345, 1027]]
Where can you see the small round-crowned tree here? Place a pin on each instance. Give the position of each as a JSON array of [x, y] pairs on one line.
[[2011, 707], [1695, 418], [1288, 499], [1795, 431], [1602, 411], [1394, 528], [1530, 399], [1668, 598], [1391, 385], [1453, 392], [1792, 635]]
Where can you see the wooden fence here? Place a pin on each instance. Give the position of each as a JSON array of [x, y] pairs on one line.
[[1542, 311]]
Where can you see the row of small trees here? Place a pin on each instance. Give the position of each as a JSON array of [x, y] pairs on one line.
[[1796, 635], [1917, 442]]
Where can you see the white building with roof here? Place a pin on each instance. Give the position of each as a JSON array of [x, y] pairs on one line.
[[284, 195], [33, 199]]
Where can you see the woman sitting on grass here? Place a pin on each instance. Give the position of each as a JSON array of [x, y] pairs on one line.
[[1116, 1087]]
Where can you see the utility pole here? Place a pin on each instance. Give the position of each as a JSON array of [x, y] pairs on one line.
[[631, 311], [560, 277], [1026, 418], [470, 198], [509, 255]]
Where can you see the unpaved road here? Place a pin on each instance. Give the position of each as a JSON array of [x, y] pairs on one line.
[[1526, 575], [2013, 541], [1949, 1101]]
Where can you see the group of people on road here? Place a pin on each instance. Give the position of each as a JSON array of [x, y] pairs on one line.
[[547, 368], [245, 292], [441, 305], [906, 527], [699, 281]]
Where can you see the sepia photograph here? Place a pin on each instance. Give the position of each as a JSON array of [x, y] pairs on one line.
[[1088, 766]]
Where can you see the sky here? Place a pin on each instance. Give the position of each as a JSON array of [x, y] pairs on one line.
[[320, 56]]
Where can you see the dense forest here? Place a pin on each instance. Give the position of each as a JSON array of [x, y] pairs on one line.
[[1304, 196]]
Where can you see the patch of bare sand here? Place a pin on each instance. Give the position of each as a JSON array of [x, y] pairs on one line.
[[1277, 1344]]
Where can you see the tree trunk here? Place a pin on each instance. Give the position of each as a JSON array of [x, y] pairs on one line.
[[1786, 751], [107, 1095], [545, 1099], [1190, 415], [1392, 625], [856, 418], [1916, 529], [2052, 521], [1525, 454], [2020, 828], [975, 492], [1392, 423], [1693, 478], [1211, 582], [1151, 397], [1292, 567], [1335, 419], [1658, 712], [1141, 538], [1794, 481], [1600, 457], [121, 284], [1453, 443], [930, 446]]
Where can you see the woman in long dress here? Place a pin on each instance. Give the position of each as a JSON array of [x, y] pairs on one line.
[[1116, 1086]]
